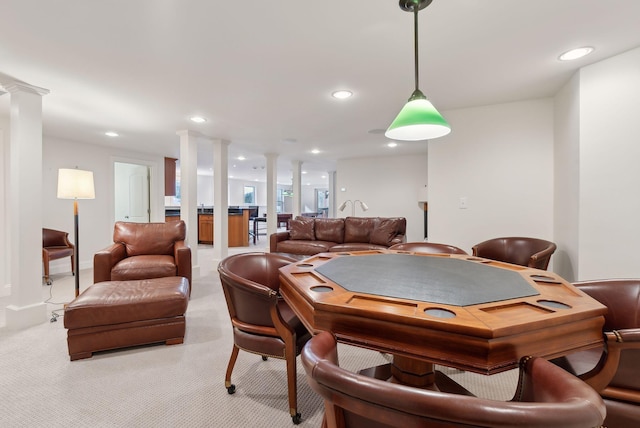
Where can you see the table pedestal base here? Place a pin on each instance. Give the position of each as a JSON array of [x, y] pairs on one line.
[[415, 373]]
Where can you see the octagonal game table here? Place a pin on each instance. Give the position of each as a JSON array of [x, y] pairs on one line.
[[458, 311]]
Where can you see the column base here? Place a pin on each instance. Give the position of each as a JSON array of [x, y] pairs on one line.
[[25, 316]]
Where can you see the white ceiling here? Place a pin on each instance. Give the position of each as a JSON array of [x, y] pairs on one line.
[[262, 72]]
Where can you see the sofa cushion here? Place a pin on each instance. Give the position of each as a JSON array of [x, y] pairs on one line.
[[143, 267], [358, 229], [302, 228], [356, 246], [384, 231], [303, 247], [149, 238], [330, 229], [117, 302]]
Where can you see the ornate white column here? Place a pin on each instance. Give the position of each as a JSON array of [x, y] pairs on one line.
[[296, 187], [332, 194], [189, 191], [220, 199], [25, 213], [272, 192]]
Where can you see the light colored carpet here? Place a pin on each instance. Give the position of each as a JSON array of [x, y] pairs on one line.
[[167, 386]]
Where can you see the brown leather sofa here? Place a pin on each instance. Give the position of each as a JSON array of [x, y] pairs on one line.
[[546, 396], [614, 370], [56, 245], [143, 251], [530, 252], [313, 235]]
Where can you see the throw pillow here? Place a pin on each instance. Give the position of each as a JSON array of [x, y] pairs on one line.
[[330, 229], [384, 231], [301, 228]]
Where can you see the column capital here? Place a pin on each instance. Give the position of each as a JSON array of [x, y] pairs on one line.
[[188, 133], [15, 86], [219, 141]]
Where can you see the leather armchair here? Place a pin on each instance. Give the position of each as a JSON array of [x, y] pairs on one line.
[[56, 245], [262, 321], [614, 370], [546, 396], [428, 247], [144, 251], [530, 252]]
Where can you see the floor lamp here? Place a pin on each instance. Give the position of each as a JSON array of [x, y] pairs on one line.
[[422, 198], [75, 184], [363, 206]]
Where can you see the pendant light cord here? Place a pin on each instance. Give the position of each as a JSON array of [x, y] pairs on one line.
[[415, 38]]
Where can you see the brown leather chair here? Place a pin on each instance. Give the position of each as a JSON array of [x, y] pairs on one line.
[[614, 370], [428, 247], [262, 321], [530, 252], [56, 245], [144, 251], [546, 396]]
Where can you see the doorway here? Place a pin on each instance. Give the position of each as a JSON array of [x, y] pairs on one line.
[[131, 192]]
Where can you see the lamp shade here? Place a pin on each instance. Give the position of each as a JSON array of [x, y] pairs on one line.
[[418, 120], [75, 184], [363, 206]]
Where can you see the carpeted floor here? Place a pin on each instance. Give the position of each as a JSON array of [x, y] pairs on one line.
[[167, 386]]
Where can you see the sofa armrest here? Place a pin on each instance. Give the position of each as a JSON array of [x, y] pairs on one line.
[[398, 239], [275, 238], [104, 260], [182, 255]]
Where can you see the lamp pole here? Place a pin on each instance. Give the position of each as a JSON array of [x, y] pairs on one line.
[[76, 249]]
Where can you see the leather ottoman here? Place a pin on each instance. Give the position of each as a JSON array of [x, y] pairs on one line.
[[117, 314]]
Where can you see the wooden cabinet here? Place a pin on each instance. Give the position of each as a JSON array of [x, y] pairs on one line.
[[205, 228], [170, 176], [238, 229]]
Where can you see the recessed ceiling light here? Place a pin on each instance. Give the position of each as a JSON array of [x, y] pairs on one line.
[[315, 151], [198, 119], [241, 157], [111, 134], [304, 172], [341, 94], [575, 53], [392, 144]]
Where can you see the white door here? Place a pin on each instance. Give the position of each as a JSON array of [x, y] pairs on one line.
[[131, 187]]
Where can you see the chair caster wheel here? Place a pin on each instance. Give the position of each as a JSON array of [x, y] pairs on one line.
[[264, 358], [49, 282], [297, 418], [231, 389]]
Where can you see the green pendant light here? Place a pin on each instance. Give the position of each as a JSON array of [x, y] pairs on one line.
[[418, 119]]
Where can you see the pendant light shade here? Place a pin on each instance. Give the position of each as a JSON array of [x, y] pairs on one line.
[[418, 119]]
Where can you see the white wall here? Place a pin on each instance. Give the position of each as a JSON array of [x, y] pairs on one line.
[[5, 280], [388, 185], [609, 168], [567, 179], [95, 216], [500, 158]]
